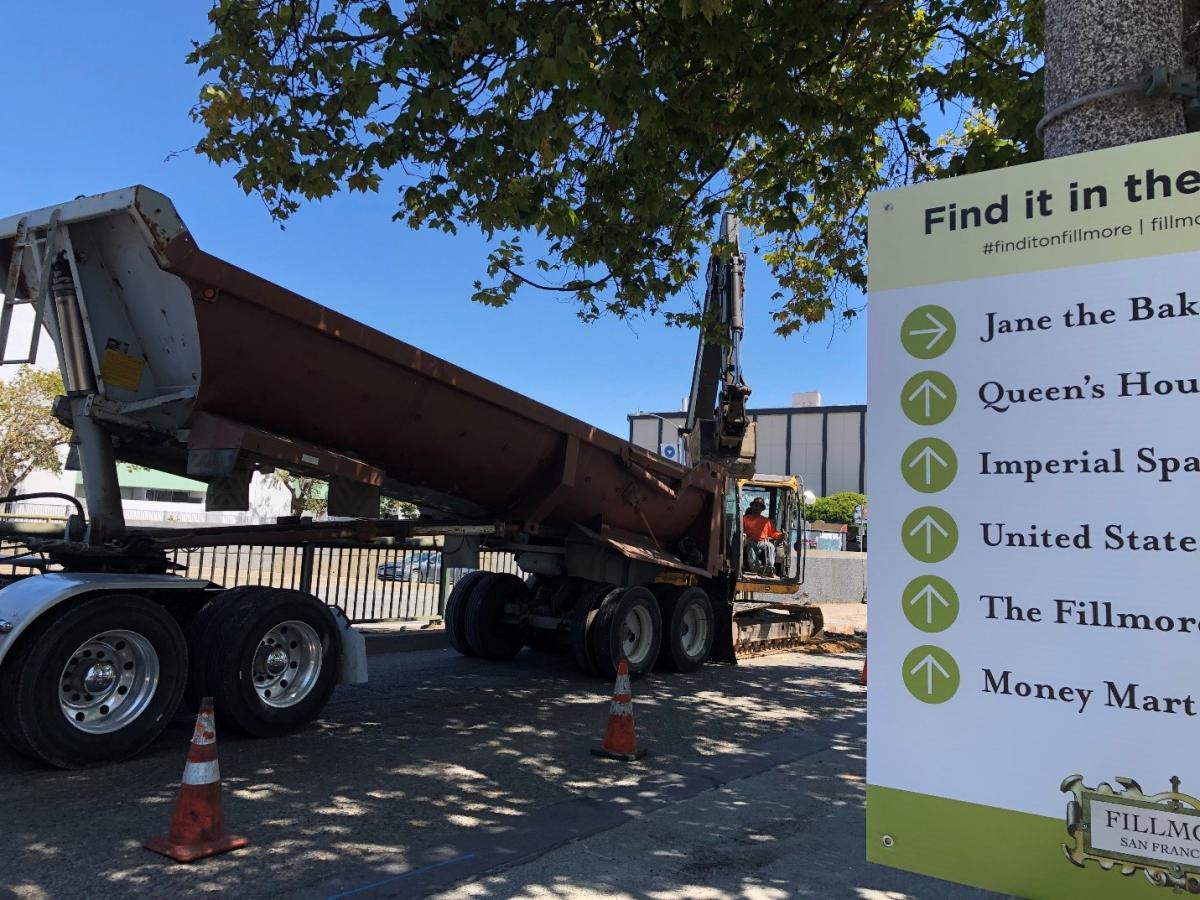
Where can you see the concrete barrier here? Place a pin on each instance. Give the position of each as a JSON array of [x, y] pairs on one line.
[[835, 577]]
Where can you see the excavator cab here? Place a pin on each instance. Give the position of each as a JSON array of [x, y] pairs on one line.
[[780, 498], [770, 614]]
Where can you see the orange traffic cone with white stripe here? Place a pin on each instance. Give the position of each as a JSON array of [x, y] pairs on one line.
[[619, 739], [198, 824]]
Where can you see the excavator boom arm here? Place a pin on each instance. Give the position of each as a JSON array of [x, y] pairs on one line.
[[718, 428]]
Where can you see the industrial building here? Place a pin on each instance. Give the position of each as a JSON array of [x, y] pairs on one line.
[[824, 445]]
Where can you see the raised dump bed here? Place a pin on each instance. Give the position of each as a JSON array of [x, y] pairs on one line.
[[206, 369]]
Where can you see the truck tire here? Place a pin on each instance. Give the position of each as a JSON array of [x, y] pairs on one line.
[[488, 635], [271, 658], [688, 628], [583, 617], [198, 633], [628, 626], [456, 612], [95, 682]]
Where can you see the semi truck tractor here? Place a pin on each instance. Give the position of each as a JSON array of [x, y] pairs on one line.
[[176, 360]]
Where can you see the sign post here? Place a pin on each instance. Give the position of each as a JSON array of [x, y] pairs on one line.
[[1034, 467]]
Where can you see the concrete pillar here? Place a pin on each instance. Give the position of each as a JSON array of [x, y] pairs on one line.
[[1095, 44]]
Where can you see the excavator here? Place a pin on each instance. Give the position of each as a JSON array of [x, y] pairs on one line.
[[768, 613]]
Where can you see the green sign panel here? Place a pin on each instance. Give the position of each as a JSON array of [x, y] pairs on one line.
[[929, 534], [928, 398], [930, 674], [929, 465], [928, 331], [930, 603]]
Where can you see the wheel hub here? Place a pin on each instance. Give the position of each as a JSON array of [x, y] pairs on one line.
[[99, 677], [108, 681], [638, 631], [287, 663], [276, 661], [693, 631]]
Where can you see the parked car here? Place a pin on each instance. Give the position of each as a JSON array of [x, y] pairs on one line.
[[421, 567]]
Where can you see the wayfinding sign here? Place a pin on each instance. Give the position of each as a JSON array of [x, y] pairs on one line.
[[1034, 474]]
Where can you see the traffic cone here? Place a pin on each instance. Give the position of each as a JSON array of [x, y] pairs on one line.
[[619, 740], [862, 679], [198, 825]]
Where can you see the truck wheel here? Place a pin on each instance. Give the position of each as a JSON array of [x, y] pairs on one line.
[[629, 626], [688, 629], [488, 635], [583, 618], [95, 682], [271, 658], [456, 612]]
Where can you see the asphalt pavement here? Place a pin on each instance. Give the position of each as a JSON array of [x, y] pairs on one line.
[[461, 778]]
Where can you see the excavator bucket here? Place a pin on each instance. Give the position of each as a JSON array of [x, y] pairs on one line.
[[737, 457]]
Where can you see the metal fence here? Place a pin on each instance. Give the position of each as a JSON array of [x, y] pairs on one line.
[[370, 583], [8, 570]]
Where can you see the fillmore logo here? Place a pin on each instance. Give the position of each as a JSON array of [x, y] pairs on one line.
[[1158, 834]]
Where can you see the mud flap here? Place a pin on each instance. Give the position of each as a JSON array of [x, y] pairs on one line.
[[723, 646]]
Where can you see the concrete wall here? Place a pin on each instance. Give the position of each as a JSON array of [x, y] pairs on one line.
[[831, 577]]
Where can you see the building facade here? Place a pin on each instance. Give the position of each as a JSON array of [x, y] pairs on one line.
[[823, 445]]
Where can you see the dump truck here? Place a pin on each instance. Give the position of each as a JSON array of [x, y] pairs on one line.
[[176, 360]]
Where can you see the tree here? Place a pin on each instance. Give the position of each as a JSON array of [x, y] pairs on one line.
[[836, 508], [29, 435], [309, 495], [401, 509], [594, 141]]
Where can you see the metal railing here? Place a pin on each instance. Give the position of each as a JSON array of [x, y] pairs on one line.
[[8, 570], [369, 583]]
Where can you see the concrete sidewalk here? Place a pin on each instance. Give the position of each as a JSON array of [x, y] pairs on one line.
[[794, 830]]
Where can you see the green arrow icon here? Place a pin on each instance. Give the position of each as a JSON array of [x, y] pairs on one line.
[[927, 331], [930, 674], [929, 534], [930, 603], [928, 398], [929, 465]]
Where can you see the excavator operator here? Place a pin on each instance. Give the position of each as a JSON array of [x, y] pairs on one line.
[[761, 534]]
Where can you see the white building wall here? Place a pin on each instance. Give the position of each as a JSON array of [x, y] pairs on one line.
[[807, 450], [772, 443], [645, 433], [842, 452], [821, 445]]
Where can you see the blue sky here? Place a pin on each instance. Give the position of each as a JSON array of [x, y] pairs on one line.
[[103, 101]]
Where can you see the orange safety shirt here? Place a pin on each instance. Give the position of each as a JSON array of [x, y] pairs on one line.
[[760, 528]]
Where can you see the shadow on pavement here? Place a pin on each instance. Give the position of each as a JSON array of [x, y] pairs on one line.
[[441, 769]]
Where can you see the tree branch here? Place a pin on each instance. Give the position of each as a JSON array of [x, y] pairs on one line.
[[570, 288]]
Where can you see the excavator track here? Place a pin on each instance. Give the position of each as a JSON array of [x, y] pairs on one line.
[[764, 627]]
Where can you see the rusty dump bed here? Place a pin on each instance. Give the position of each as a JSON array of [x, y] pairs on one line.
[[205, 367]]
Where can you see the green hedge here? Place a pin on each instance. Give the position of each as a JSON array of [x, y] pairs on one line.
[[837, 508]]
